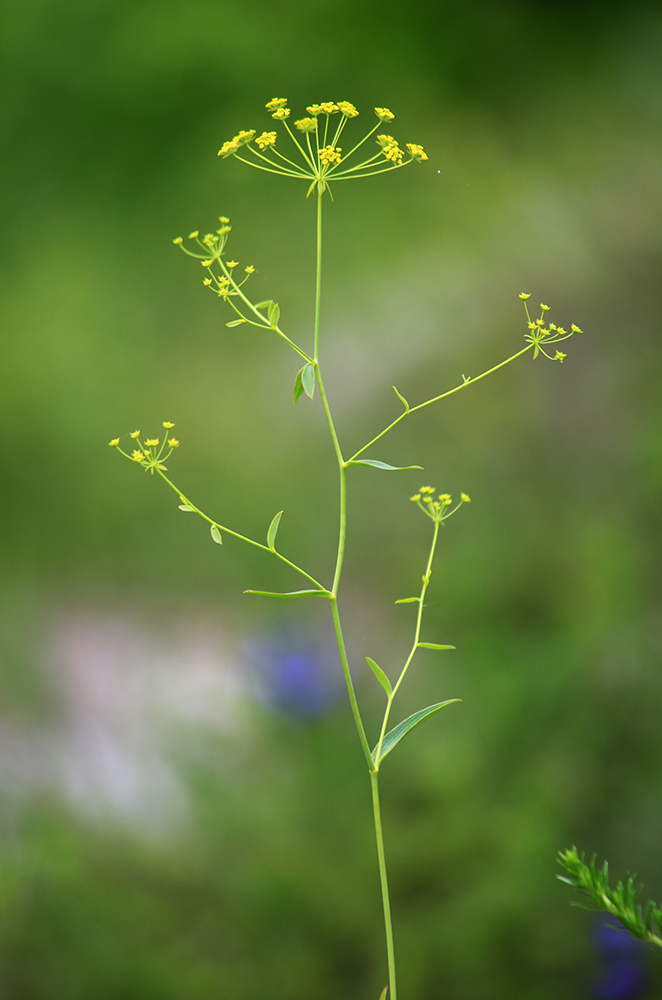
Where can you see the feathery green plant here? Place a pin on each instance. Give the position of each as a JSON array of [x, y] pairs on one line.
[[318, 159], [622, 902]]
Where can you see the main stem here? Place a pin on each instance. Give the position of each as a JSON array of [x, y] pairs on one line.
[[342, 531]]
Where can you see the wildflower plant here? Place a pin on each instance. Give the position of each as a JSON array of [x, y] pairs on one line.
[[314, 154]]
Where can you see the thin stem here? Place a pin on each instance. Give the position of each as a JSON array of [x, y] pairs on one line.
[[435, 399], [383, 878], [417, 636], [318, 275], [365, 746], [242, 538]]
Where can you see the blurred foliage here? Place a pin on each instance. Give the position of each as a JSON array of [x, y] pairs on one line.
[[542, 121]]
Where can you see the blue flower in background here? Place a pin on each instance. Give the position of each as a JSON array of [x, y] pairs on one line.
[[294, 673], [623, 975]]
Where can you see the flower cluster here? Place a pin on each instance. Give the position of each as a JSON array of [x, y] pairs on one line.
[[151, 453], [541, 336], [219, 276], [318, 156], [437, 509]]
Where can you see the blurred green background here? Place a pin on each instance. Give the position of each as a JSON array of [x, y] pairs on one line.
[[185, 811]]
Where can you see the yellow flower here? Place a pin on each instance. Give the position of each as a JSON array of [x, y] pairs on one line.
[[178, 240], [223, 219], [445, 498], [167, 424], [114, 443], [281, 114], [330, 154], [575, 329], [228, 148], [416, 496], [347, 109], [135, 434], [250, 269], [206, 281], [464, 498], [233, 263], [384, 114], [276, 103], [426, 489], [559, 356], [416, 152], [137, 456], [194, 235], [524, 296], [306, 124], [173, 443], [152, 443], [264, 140]]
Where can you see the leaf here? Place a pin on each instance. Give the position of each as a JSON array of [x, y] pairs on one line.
[[308, 380], [402, 399], [216, 535], [380, 675], [292, 593], [433, 645], [407, 600], [393, 738], [382, 995], [236, 322], [263, 305], [274, 314], [185, 506], [298, 386], [273, 531], [383, 465]]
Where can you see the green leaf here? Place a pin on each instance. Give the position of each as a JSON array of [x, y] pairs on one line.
[[273, 531], [185, 506], [292, 593], [274, 314], [216, 535], [396, 734], [236, 322], [383, 465], [382, 995], [402, 399], [433, 645], [407, 600], [298, 386], [263, 305], [380, 675], [308, 380]]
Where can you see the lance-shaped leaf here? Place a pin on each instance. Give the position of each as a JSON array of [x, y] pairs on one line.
[[382, 995], [383, 465], [393, 737], [273, 531], [290, 595], [274, 314], [263, 305], [402, 399], [381, 676], [407, 600], [236, 322], [304, 382], [432, 645], [185, 506], [216, 535]]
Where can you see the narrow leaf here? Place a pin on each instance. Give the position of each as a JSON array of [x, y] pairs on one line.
[[383, 465], [298, 386], [236, 322], [185, 506], [382, 995], [308, 380], [263, 305], [433, 645], [407, 600], [393, 738], [402, 399], [274, 314], [380, 675], [273, 531], [293, 593], [216, 535]]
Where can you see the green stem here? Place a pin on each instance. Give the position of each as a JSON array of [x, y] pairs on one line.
[[435, 399], [365, 746], [318, 275], [417, 636], [383, 878]]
